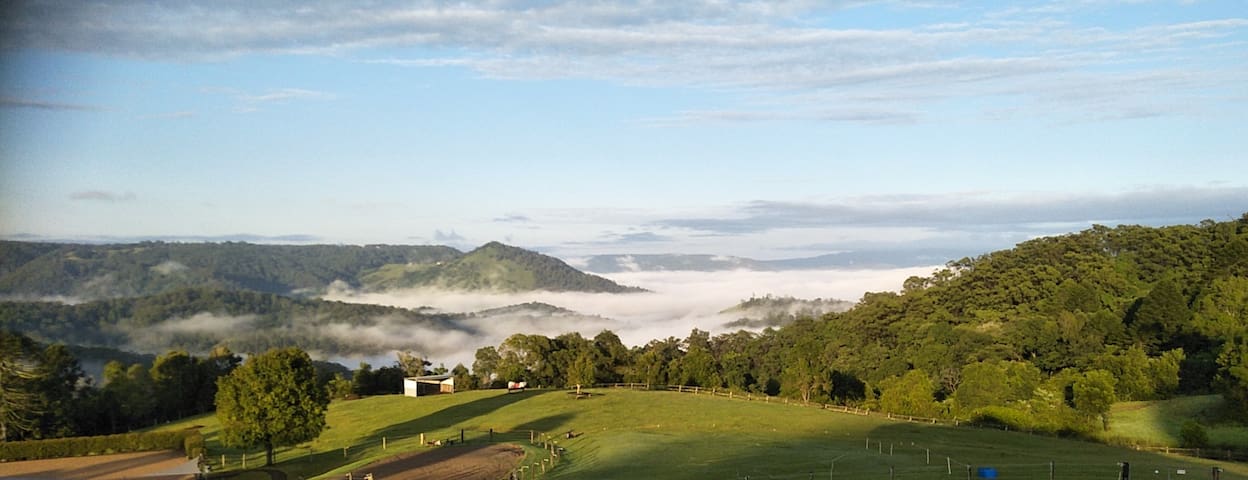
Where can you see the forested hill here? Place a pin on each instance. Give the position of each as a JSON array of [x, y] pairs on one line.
[[497, 267], [31, 271], [249, 322], [1042, 337], [87, 272], [1134, 301]]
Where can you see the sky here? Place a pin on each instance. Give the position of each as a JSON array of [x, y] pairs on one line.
[[759, 129]]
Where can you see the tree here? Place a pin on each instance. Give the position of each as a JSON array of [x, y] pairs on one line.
[[910, 394], [19, 407], [413, 365], [581, 372], [1094, 395], [464, 380], [363, 380], [59, 383], [271, 401], [175, 376], [338, 387], [1193, 435], [1233, 376], [1161, 314], [486, 365]]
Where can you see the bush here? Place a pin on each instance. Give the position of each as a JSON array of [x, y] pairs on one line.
[[1002, 417], [1193, 435], [120, 443], [193, 444]]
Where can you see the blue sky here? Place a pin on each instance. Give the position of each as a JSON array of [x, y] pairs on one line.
[[762, 129]]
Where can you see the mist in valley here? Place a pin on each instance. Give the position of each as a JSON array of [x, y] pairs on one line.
[[677, 302]]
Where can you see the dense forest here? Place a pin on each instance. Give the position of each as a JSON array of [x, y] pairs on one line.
[[1042, 337]]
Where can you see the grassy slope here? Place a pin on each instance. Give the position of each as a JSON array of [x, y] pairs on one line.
[[1158, 422], [627, 434]]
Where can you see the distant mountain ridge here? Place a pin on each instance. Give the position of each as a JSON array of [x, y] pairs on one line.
[[620, 263], [495, 267], [84, 272]]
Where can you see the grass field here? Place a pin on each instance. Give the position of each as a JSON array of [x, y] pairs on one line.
[[634, 434], [1158, 422]]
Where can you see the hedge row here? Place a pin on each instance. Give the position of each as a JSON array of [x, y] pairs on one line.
[[189, 441]]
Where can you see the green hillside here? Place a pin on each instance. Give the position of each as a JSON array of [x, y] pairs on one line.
[[198, 319], [494, 267], [32, 271], [89, 272], [1159, 422], [637, 434]]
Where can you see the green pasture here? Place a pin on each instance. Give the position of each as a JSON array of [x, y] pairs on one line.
[[1158, 422], [637, 434]]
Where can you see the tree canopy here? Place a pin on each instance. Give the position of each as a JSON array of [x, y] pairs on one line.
[[272, 400]]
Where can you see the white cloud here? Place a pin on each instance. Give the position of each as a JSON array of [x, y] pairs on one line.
[[765, 50], [169, 267], [979, 210], [679, 302]]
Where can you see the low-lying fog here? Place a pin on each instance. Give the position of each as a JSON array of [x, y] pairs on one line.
[[679, 302]]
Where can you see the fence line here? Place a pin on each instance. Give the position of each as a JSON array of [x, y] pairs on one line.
[[444, 438], [553, 452], [1209, 453]]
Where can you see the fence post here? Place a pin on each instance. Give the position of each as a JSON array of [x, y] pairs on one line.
[[929, 456], [949, 465], [244, 460], [1050, 470], [422, 439], [383, 443]]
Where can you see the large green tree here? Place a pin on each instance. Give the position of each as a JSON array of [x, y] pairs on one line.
[[272, 400]]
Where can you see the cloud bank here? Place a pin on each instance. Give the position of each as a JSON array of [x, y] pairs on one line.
[[679, 302], [978, 211]]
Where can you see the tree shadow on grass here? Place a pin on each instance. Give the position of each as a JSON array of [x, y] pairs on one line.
[[442, 426]]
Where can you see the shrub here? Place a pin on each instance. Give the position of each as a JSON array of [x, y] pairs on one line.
[[82, 446], [193, 444], [1002, 417], [1193, 435]]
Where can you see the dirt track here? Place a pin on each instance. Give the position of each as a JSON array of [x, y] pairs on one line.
[[105, 467], [485, 462]]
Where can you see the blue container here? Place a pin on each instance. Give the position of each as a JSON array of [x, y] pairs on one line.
[[986, 472]]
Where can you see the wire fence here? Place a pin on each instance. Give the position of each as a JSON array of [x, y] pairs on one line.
[[541, 456], [878, 458], [1209, 453], [882, 459]]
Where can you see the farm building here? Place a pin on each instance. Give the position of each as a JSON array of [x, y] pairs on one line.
[[428, 385]]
